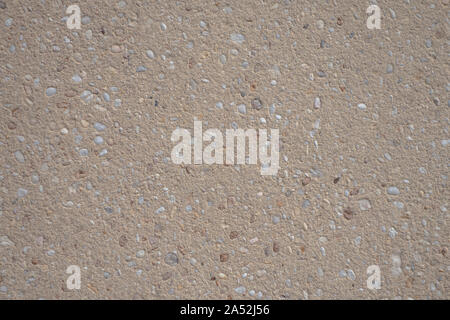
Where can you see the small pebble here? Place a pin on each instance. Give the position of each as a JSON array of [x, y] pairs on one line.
[[99, 126], [237, 38], [19, 156], [257, 104], [171, 259], [98, 140], [140, 254], [390, 68], [364, 204], [22, 192], [240, 290], [50, 91], [242, 109], [393, 191], [150, 54], [362, 106], [116, 49], [317, 103]]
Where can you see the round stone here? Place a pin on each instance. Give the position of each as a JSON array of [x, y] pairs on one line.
[[171, 259]]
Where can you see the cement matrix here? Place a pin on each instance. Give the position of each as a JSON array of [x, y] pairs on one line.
[[86, 176]]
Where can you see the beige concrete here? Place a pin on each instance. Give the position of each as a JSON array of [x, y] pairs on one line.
[[365, 185]]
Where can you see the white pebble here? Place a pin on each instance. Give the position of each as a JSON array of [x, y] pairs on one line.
[[19, 156], [393, 191], [98, 140], [150, 54], [140, 254], [362, 106], [317, 103], [237, 37], [22, 192], [364, 204], [242, 108], [99, 126], [50, 91]]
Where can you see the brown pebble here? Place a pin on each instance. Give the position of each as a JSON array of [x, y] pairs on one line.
[[224, 257], [70, 93], [306, 181], [12, 125], [166, 276], [62, 105], [348, 213], [336, 180], [340, 21], [81, 174], [233, 235], [444, 251], [115, 49], [123, 240], [275, 247], [34, 261]]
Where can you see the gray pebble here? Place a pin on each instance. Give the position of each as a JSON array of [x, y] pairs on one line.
[[76, 78], [351, 275], [306, 204], [362, 106], [242, 109], [393, 191], [50, 91], [389, 68], [237, 37], [317, 103], [84, 152], [171, 259], [240, 290], [98, 140], [364, 204], [85, 20], [140, 254], [35, 178], [19, 156], [392, 233], [99, 126], [141, 69], [22, 192], [150, 54], [399, 204], [257, 104], [160, 210]]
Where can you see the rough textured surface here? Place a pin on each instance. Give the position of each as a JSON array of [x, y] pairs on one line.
[[86, 176]]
